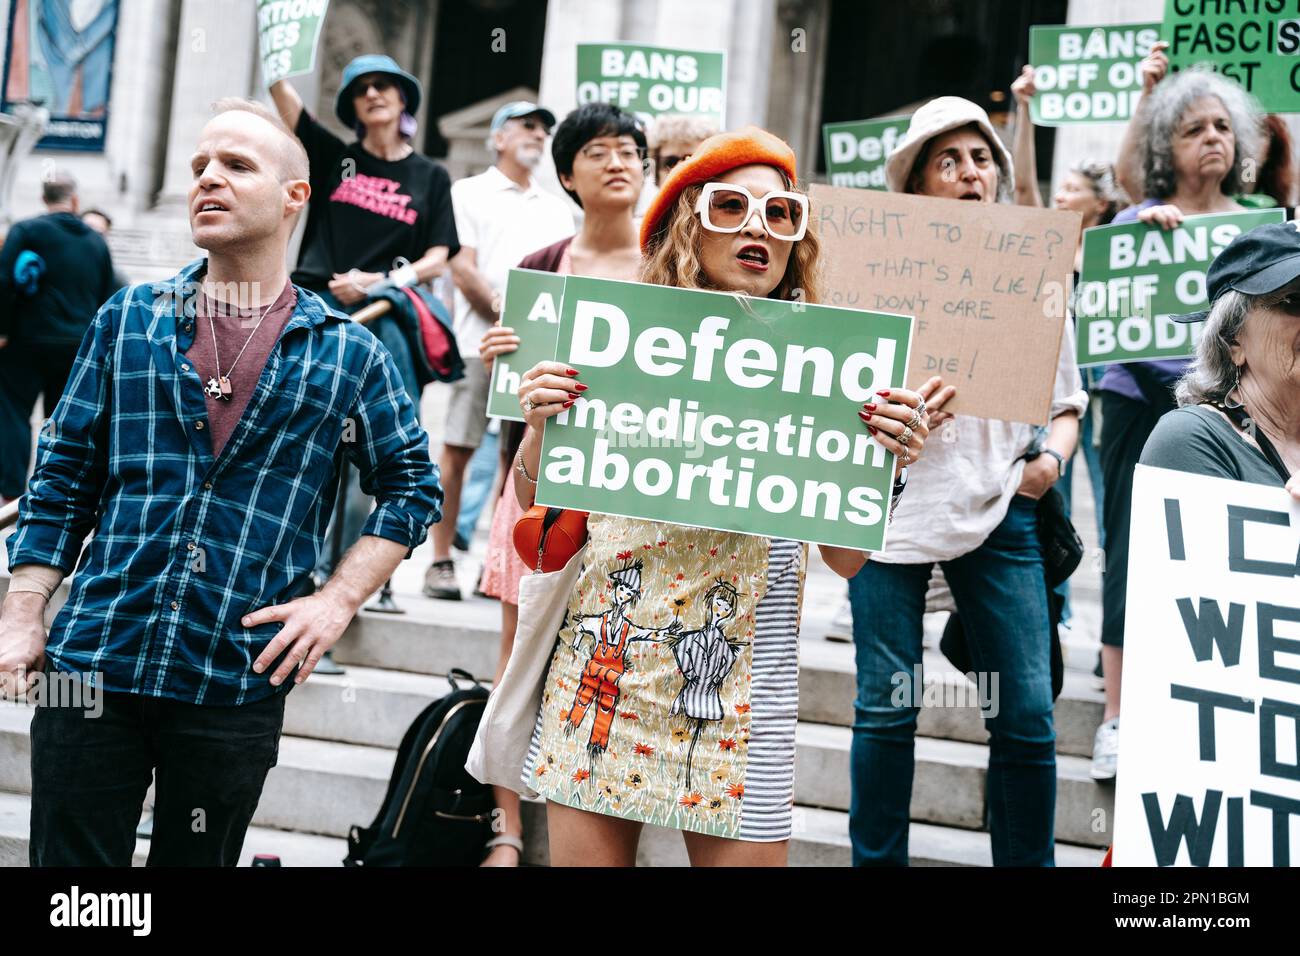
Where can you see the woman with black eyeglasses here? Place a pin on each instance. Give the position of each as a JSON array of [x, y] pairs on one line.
[[378, 211]]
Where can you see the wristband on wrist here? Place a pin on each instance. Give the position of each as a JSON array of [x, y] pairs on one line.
[[404, 276], [37, 578]]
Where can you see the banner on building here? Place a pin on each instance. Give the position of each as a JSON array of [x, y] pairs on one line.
[[1135, 276], [287, 34], [722, 411], [988, 284], [1257, 44], [651, 80], [1208, 768], [856, 152], [60, 56], [532, 308], [1088, 74]]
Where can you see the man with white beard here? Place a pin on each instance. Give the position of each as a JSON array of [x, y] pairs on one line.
[[502, 215]]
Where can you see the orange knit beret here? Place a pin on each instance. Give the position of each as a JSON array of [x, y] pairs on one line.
[[716, 155]]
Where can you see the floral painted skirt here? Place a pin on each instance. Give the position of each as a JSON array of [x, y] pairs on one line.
[[672, 694]]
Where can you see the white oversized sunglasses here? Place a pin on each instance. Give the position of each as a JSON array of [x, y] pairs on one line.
[[726, 207]]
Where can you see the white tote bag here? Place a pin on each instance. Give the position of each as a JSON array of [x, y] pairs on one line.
[[501, 745]]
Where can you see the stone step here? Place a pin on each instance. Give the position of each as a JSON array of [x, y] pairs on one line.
[[323, 786], [820, 839], [416, 642], [293, 849], [435, 636]]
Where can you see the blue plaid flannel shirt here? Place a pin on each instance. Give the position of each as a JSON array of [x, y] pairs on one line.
[[184, 543]]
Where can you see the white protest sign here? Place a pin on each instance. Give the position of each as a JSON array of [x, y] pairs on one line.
[[1209, 773]]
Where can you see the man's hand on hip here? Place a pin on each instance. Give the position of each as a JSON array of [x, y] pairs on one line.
[[312, 625], [22, 642]]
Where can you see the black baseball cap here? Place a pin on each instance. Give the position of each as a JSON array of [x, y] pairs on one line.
[[1257, 262]]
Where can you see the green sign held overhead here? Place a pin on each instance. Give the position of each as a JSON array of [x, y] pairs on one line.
[[1256, 43], [856, 152], [650, 81], [1135, 276], [1088, 74], [287, 31], [720, 411], [532, 308]]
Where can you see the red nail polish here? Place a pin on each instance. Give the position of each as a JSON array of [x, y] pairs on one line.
[[870, 406], [571, 371], [872, 430], [864, 416], [580, 387], [567, 404], [883, 393], [573, 395]]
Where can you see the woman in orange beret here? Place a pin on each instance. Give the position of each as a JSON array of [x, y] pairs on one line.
[[689, 722]]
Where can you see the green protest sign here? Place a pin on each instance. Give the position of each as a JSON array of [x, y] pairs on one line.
[[1135, 276], [717, 411], [1088, 74], [532, 308], [650, 80], [287, 31], [1256, 43], [856, 152]]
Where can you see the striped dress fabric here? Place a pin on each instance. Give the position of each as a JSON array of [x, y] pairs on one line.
[[672, 693]]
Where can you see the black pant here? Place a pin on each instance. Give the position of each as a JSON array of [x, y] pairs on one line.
[[90, 774], [26, 371], [1125, 427]]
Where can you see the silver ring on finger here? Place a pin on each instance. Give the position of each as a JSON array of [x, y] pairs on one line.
[[906, 436], [917, 419], [528, 405]]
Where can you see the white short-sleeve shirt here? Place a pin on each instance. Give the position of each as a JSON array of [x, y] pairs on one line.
[[502, 222]]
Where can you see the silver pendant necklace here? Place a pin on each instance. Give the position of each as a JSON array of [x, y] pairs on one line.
[[219, 386]]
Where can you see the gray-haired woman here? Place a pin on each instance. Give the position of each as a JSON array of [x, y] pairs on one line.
[[1239, 402], [1187, 148]]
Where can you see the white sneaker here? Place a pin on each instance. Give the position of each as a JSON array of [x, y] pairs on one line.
[[1105, 750]]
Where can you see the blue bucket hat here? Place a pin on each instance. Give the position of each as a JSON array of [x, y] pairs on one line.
[[373, 63]]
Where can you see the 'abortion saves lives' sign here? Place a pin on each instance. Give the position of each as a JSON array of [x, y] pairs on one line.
[[1088, 74], [1209, 773], [1135, 276], [726, 412]]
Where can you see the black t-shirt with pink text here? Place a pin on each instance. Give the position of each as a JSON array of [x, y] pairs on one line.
[[366, 211]]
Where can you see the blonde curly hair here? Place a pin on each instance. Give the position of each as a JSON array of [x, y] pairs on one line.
[[672, 256]]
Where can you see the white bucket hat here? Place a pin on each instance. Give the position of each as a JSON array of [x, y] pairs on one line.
[[939, 116]]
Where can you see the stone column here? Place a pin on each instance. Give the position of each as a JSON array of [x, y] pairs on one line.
[[216, 56], [140, 103]]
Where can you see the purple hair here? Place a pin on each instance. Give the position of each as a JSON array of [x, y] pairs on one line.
[[406, 124]]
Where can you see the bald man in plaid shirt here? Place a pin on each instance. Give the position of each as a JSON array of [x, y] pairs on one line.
[[200, 439]]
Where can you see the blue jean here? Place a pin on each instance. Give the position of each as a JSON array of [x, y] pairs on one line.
[[1001, 595], [1092, 457], [357, 508], [479, 479]]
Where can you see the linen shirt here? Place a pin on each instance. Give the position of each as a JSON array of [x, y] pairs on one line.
[[971, 467], [186, 543], [502, 223]]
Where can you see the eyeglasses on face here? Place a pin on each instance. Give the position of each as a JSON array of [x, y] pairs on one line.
[[532, 124], [727, 207], [628, 155], [381, 83]]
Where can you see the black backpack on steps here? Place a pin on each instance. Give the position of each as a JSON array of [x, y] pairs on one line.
[[434, 813]]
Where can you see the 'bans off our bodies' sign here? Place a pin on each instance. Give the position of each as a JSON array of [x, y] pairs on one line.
[[649, 80], [532, 308], [1208, 768], [1135, 276], [1088, 74], [719, 411]]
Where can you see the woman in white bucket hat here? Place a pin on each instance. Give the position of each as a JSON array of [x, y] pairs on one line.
[[974, 516]]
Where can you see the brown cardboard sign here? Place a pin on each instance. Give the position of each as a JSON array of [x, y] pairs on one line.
[[987, 283]]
